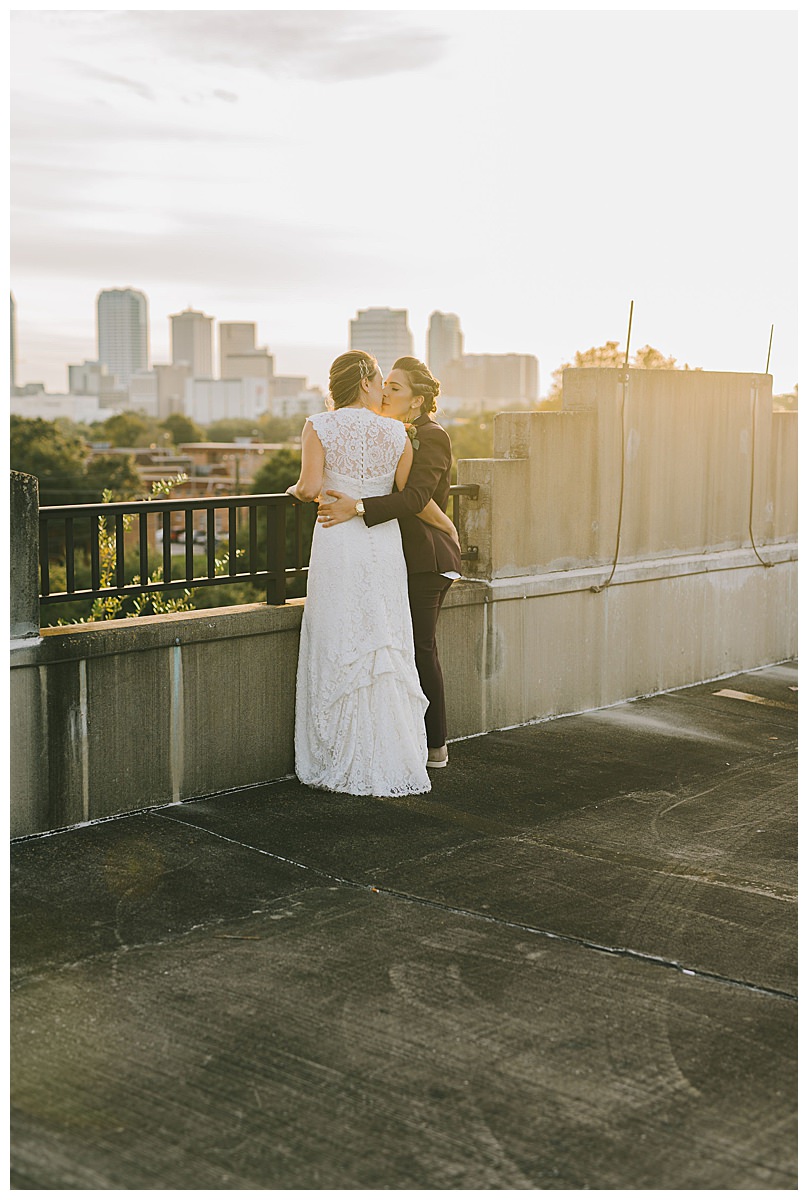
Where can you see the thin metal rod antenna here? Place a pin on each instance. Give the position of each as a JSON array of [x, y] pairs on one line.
[[599, 587], [769, 355], [628, 335]]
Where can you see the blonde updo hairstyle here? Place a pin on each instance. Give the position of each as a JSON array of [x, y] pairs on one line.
[[346, 375], [422, 382]]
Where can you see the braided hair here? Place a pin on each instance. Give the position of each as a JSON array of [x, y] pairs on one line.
[[421, 380], [346, 375]]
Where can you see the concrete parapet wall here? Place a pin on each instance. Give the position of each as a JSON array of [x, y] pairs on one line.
[[545, 645], [783, 476], [121, 715], [677, 462], [133, 714]]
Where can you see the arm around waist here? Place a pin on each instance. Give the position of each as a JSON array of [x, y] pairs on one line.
[[432, 458]]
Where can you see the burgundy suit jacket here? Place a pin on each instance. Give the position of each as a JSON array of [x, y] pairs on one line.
[[425, 548]]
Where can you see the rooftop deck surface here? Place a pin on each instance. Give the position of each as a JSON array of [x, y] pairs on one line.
[[571, 966]]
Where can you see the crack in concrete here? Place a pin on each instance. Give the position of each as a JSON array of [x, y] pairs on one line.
[[571, 939], [21, 977]]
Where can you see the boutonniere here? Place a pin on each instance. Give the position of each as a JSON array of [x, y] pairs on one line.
[[412, 434]]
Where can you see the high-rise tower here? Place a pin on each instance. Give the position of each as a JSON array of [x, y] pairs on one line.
[[192, 342], [235, 338], [123, 332], [444, 342], [384, 333]]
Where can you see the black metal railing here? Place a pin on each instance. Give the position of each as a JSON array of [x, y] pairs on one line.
[[90, 525], [472, 490], [66, 528]]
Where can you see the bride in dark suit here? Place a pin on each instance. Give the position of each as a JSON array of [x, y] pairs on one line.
[[432, 554]]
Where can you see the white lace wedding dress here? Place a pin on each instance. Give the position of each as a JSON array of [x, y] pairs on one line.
[[359, 715]]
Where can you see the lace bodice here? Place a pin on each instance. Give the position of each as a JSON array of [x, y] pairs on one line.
[[362, 449]]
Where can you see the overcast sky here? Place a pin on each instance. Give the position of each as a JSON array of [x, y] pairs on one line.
[[532, 171]]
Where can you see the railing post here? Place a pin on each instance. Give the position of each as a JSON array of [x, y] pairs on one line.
[[24, 547], [276, 553], [472, 490]]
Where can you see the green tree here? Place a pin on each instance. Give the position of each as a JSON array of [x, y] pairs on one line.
[[280, 429], [116, 474], [110, 608], [128, 429], [281, 469], [472, 437], [230, 428], [183, 429], [654, 360], [56, 456], [77, 428]]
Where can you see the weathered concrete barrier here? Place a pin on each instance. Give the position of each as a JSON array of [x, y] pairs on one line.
[[122, 715], [136, 713]]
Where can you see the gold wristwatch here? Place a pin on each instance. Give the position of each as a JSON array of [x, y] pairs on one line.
[[360, 508]]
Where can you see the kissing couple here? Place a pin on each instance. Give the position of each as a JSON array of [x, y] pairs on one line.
[[370, 715]]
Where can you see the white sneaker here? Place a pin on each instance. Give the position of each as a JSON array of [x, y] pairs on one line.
[[437, 756]]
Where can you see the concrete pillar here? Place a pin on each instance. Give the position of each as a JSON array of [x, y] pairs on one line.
[[24, 547]]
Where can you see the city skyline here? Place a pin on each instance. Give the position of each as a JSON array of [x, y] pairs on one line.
[[202, 342], [209, 160]]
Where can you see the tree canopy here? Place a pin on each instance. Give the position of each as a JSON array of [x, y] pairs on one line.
[[281, 469], [183, 429], [128, 429], [56, 456], [280, 429], [59, 457], [230, 428], [117, 474]]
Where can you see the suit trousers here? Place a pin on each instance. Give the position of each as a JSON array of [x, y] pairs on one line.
[[427, 591]]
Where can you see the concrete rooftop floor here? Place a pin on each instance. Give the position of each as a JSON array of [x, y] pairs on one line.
[[571, 966]]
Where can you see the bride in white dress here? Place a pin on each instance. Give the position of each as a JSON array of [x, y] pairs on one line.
[[359, 713]]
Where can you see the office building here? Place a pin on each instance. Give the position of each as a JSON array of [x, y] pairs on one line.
[[491, 381], [286, 386], [143, 393], [51, 406], [89, 378], [209, 400], [300, 404], [192, 342], [382, 332], [171, 379], [251, 364], [123, 332], [293, 397], [235, 337], [444, 343]]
